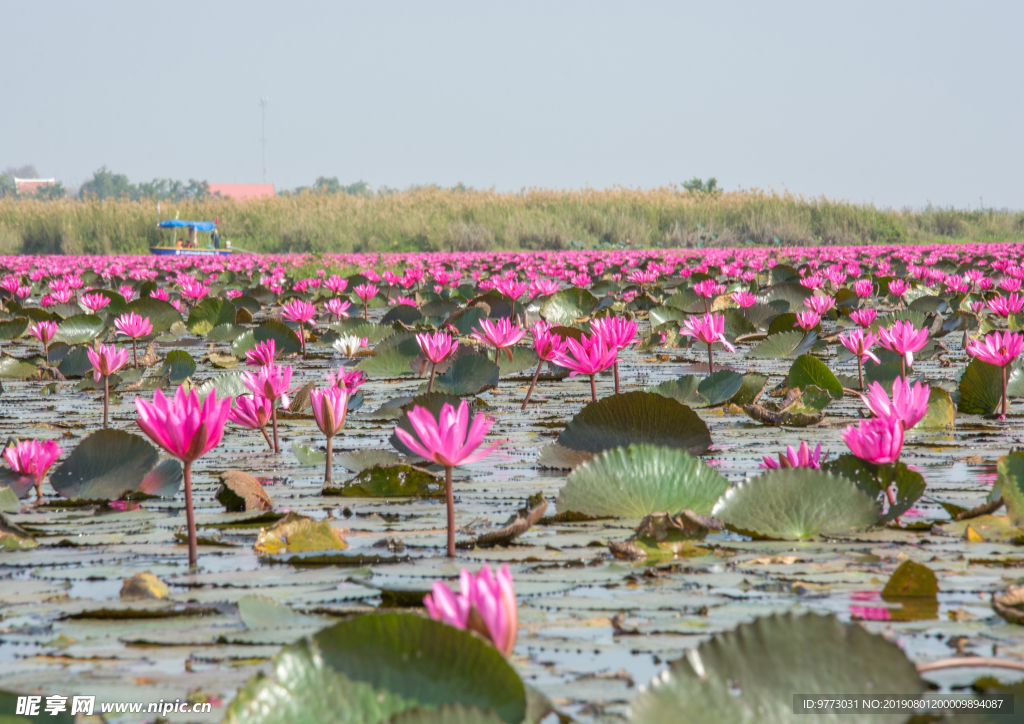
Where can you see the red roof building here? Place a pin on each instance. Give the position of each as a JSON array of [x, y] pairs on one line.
[[243, 192], [29, 186]]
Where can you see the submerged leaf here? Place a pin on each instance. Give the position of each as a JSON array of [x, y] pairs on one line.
[[390, 481], [297, 534]]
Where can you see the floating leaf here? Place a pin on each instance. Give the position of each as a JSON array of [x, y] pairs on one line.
[[911, 579], [683, 389], [876, 479], [143, 586], [468, 375], [636, 417], [371, 667], [719, 387], [751, 388], [9, 502], [736, 324], [13, 328], [661, 315], [210, 313], [523, 358], [359, 460], [750, 675], [466, 320], [11, 368], [634, 481], [807, 370], [790, 292], [568, 305], [390, 481], [981, 388], [106, 465], [941, 411], [1011, 485], [286, 341], [163, 481], [260, 613], [392, 358], [177, 366], [403, 313], [240, 491], [782, 345], [308, 456], [225, 333], [79, 329], [297, 534], [796, 503], [13, 537]]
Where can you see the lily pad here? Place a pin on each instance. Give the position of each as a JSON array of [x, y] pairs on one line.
[[298, 534], [79, 329], [468, 375], [981, 388], [227, 385], [523, 358], [260, 613], [683, 389], [240, 491], [284, 338], [1011, 485], [636, 417], [807, 370], [661, 315], [162, 315], [783, 344], [390, 481], [369, 668], [225, 333], [751, 388], [874, 480], [177, 366], [719, 387], [634, 481], [14, 328], [76, 363], [308, 456], [941, 411], [210, 313], [11, 368], [106, 465], [163, 481], [13, 537], [404, 313], [359, 460], [796, 503], [750, 675], [568, 305], [392, 358]]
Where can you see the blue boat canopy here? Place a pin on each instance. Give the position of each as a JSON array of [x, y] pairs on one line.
[[178, 224]]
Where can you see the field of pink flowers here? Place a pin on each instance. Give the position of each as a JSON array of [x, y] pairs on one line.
[[640, 486]]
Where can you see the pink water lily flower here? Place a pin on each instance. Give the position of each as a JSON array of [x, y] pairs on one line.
[[271, 381], [1006, 306], [903, 338], [264, 353], [449, 440], [548, 347], [436, 347], [337, 307], [801, 457], [999, 349], [348, 381], [864, 317], [299, 311], [44, 331], [744, 299], [819, 303], [253, 413], [588, 356], [807, 320], [899, 288], [617, 332], [501, 334], [709, 329], [878, 440], [32, 458], [187, 429], [106, 360], [134, 326], [859, 342], [485, 604], [366, 292], [863, 288], [94, 302], [908, 404], [330, 406]]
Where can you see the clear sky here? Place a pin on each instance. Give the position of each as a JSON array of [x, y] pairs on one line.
[[895, 103]]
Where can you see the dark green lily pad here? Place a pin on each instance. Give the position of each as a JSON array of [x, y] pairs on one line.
[[403, 313], [568, 305], [106, 465], [807, 370], [661, 315], [719, 387], [981, 388], [210, 313], [875, 479], [163, 481], [393, 357], [784, 344], [466, 320], [750, 675], [751, 388], [390, 481], [941, 411], [79, 329], [225, 333], [286, 341], [682, 389], [468, 375], [1011, 485], [358, 460], [76, 363], [177, 366], [638, 480], [884, 374], [523, 359], [14, 328], [11, 368], [371, 667], [796, 503]]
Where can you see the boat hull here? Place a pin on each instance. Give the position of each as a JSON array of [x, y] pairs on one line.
[[168, 251]]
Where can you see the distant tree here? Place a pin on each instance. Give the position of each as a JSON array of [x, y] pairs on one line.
[[704, 188], [7, 187], [26, 171], [51, 192], [105, 184], [325, 185]]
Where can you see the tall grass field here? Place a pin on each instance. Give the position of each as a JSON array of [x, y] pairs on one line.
[[435, 219]]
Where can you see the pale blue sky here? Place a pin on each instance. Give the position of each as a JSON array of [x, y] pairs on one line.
[[896, 103]]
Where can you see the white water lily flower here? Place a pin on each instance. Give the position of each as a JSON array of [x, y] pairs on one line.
[[349, 344]]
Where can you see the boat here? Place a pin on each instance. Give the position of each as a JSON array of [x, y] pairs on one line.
[[191, 245]]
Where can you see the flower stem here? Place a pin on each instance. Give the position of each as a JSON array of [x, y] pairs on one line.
[[1005, 406], [366, 307], [860, 372], [903, 366], [106, 398], [302, 338], [533, 382], [711, 361], [449, 496], [190, 517], [263, 429], [135, 353], [593, 389], [616, 366], [273, 417], [430, 382], [330, 459]]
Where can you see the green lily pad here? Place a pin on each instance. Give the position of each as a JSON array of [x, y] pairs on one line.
[[661, 315], [468, 375], [682, 389], [466, 320], [404, 313], [162, 315], [359, 460], [909, 580], [634, 481], [760, 315], [177, 366], [796, 503], [875, 479], [393, 357], [791, 292], [752, 386], [284, 338], [523, 359], [449, 714], [210, 313], [750, 675], [163, 481], [736, 324], [884, 374], [390, 481], [79, 329], [636, 417], [807, 370], [719, 387], [308, 456], [369, 668], [1011, 485], [75, 363], [260, 613], [13, 537], [14, 328], [784, 344], [981, 388], [298, 534], [226, 385], [568, 305], [941, 411], [225, 333], [11, 368], [786, 323], [106, 465], [9, 502]]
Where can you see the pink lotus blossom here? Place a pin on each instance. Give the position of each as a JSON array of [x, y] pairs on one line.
[[588, 356], [254, 413], [94, 302], [795, 458], [486, 604], [133, 325], [543, 287], [191, 289], [863, 288], [271, 382], [32, 458], [744, 299], [548, 347], [709, 329], [1006, 306], [904, 339], [159, 293], [617, 332], [264, 353], [998, 348], [709, 288], [878, 440], [187, 429], [337, 307], [348, 381], [501, 334], [864, 317], [336, 284], [908, 404], [44, 331], [329, 408], [819, 303], [436, 347], [299, 312], [366, 292], [898, 287], [807, 320], [859, 342], [449, 440]]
